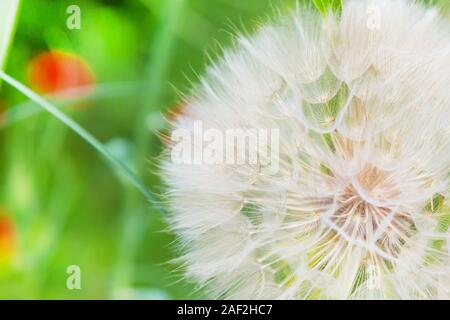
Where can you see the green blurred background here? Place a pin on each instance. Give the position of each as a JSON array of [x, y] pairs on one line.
[[60, 203]]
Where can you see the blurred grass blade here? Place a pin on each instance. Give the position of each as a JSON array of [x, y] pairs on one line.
[[325, 6], [29, 108], [8, 16], [89, 138]]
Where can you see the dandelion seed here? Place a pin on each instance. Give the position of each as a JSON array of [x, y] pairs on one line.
[[359, 206]]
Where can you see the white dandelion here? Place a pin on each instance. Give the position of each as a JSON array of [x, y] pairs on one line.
[[358, 208]]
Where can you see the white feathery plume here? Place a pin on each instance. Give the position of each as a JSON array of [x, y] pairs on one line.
[[358, 208]]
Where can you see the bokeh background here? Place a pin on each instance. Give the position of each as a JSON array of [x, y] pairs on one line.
[[60, 203], [118, 76]]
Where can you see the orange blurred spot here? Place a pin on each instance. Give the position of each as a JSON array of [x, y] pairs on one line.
[[64, 74], [7, 237], [175, 111]]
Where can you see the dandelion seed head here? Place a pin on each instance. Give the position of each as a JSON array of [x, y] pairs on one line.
[[358, 208]]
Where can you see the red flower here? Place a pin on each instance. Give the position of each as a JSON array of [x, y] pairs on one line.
[[7, 237], [60, 73]]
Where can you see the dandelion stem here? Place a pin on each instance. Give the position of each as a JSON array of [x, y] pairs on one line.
[[83, 133]]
